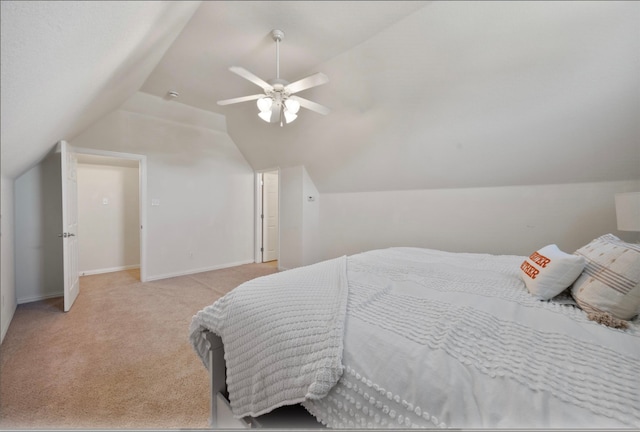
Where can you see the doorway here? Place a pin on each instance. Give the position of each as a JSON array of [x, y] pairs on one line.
[[111, 193], [267, 217]]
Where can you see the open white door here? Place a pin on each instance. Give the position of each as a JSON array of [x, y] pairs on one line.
[[69, 162], [270, 229]]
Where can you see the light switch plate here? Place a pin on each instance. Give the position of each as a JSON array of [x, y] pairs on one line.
[[155, 201]]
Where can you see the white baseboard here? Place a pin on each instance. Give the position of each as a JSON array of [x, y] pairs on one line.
[[200, 270], [149, 278], [7, 323], [40, 297], [108, 270]]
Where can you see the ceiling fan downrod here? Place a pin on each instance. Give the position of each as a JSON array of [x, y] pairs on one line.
[[277, 36]]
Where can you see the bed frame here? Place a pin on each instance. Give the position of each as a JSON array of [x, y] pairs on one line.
[[221, 417], [220, 414]]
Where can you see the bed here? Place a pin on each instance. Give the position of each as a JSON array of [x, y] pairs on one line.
[[410, 337]]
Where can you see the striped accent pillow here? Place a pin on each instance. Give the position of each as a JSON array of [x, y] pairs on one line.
[[610, 281]]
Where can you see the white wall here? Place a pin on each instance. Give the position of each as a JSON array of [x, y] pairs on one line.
[[202, 182], [504, 220], [8, 283], [299, 218], [311, 219], [38, 221], [291, 218], [108, 232]]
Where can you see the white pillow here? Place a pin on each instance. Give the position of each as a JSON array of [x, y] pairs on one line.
[[549, 271], [611, 278]]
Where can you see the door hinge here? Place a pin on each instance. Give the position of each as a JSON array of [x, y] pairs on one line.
[[261, 249], [261, 216]]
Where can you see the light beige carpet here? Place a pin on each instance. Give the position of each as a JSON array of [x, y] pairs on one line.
[[120, 359]]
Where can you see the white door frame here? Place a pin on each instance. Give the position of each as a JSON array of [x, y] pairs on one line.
[[270, 220], [258, 219], [142, 185]]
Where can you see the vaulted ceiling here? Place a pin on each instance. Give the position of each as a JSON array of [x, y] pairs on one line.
[[423, 94]]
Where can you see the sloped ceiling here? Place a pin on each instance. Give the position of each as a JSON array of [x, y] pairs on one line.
[[437, 95], [224, 34], [66, 64], [423, 94]]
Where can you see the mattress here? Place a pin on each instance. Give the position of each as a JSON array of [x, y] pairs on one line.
[[434, 339]]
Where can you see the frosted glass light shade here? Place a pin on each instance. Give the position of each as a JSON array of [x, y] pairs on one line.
[[265, 115], [264, 104], [628, 211], [289, 116], [270, 109], [293, 106]]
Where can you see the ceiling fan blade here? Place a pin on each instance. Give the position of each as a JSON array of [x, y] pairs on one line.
[[305, 103], [308, 82], [240, 99], [251, 77]]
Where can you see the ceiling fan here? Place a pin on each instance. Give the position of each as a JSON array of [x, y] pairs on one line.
[[278, 104]]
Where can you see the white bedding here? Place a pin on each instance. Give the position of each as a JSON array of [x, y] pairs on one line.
[[437, 339], [282, 335]]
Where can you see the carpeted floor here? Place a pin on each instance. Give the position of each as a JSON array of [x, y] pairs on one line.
[[120, 359]]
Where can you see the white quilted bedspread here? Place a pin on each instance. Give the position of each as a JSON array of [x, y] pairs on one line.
[[433, 339], [437, 339], [282, 334]]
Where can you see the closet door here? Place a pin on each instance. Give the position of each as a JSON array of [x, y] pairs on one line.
[[69, 184]]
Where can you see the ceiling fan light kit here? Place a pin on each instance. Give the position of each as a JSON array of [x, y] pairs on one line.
[[278, 104]]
